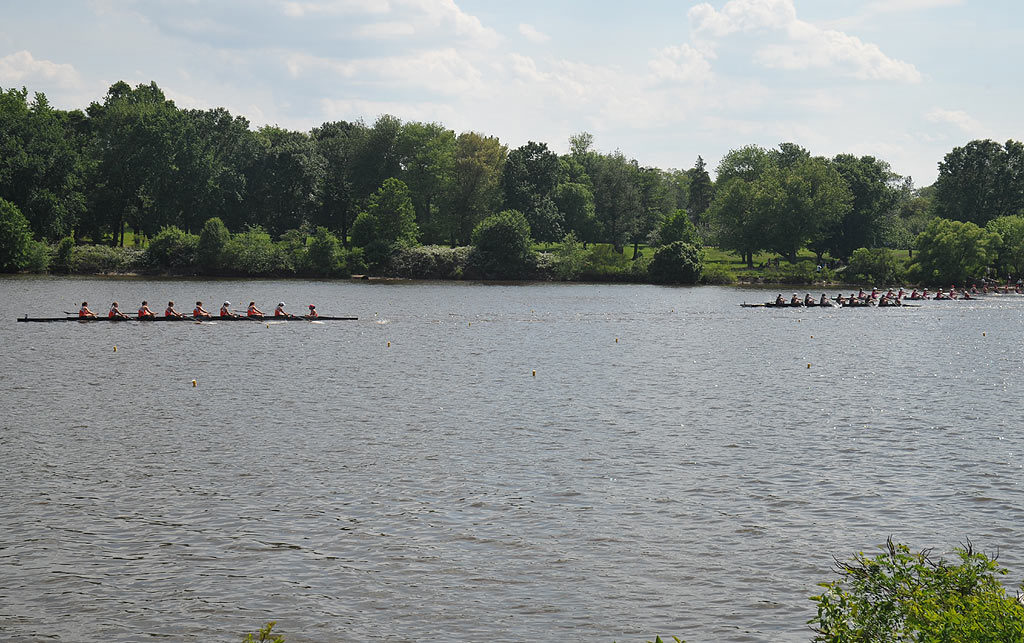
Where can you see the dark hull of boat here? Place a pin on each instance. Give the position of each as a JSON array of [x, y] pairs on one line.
[[90, 320]]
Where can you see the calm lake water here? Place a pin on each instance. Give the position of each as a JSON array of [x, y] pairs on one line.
[[677, 465]]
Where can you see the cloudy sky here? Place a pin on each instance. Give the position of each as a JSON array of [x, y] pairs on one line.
[[661, 80]]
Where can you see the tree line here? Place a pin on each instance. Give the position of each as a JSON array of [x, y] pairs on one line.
[[134, 162]]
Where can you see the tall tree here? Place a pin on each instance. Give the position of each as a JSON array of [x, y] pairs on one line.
[[427, 153], [702, 191], [337, 144], [528, 180], [476, 185], [378, 157], [283, 181], [733, 222], [876, 191], [981, 181]]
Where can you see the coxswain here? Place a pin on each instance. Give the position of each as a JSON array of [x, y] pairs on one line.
[[115, 312], [279, 311], [253, 311], [84, 312], [312, 311], [199, 312], [225, 311], [170, 312], [145, 312]]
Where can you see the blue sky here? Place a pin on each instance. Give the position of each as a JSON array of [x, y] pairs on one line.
[[663, 81]]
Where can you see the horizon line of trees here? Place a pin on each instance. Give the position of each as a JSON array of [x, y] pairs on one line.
[[136, 161]]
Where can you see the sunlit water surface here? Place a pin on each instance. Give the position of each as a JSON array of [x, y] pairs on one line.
[[487, 462]]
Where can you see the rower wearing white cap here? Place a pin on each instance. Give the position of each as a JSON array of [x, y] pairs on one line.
[[225, 310], [279, 311]]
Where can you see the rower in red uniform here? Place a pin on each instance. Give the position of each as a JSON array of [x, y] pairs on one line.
[[170, 312], [253, 311], [279, 311], [312, 311], [115, 312], [225, 312], [84, 312], [145, 312], [199, 312]]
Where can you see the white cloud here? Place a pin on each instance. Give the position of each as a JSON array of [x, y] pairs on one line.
[[21, 67], [959, 118], [441, 70], [446, 13], [296, 9], [532, 34], [894, 6], [681, 64], [369, 110], [385, 30], [806, 46]]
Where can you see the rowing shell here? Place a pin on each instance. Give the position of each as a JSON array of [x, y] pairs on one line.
[[26, 318]]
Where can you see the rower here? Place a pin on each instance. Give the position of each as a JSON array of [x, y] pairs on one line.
[[779, 301], [199, 312], [115, 312], [170, 312], [807, 300], [225, 311], [279, 311], [794, 300], [312, 311], [145, 312], [824, 300], [860, 294], [253, 311], [840, 300], [84, 312]]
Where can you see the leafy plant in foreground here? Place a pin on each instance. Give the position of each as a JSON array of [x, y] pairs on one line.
[[264, 635], [903, 596]]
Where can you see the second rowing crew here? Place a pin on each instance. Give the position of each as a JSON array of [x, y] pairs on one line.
[[874, 298], [198, 312]]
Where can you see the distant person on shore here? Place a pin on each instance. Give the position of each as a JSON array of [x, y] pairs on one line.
[[199, 312], [145, 312], [84, 312]]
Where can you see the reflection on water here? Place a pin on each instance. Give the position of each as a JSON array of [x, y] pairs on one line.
[[677, 465]]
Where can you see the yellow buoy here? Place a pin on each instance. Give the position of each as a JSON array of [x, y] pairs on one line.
[[983, 334], [808, 366], [194, 383], [535, 373], [389, 344], [616, 340], [115, 349], [268, 325]]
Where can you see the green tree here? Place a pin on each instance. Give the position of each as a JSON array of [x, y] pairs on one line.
[[388, 223], [900, 595], [676, 226], [283, 180], [747, 163], [1010, 250], [981, 181], [734, 225], [337, 144], [377, 157], [953, 252], [800, 204], [575, 202], [476, 185], [427, 152], [528, 180], [875, 265], [213, 238], [324, 256], [702, 190], [876, 191], [15, 237], [172, 248]]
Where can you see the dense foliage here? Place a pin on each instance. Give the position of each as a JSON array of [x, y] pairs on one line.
[[899, 595], [216, 196]]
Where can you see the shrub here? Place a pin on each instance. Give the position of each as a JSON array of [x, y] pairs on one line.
[[717, 274], [213, 239], [323, 256], [253, 253], [62, 258], [569, 259], [503, 242], [677, 263], [902, 596], [172, 249], [15, 237], [953, 251], [38, 256], [353, 261], [677, 226], [604, 263], [430, 262], [91, 259], [879, 265]]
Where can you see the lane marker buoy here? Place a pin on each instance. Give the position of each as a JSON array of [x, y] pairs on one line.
[[535, 373], [194, 383], [115, 349]]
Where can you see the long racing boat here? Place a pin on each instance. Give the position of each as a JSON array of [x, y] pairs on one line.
[[146, 320]]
